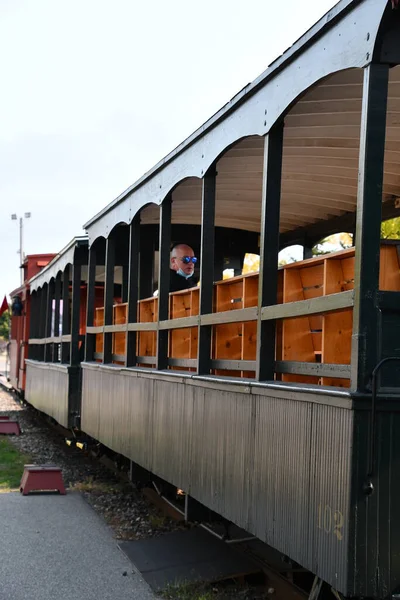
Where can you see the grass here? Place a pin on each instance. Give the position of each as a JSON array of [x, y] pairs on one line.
[[157, 521], [188, 591], [11, 466], [96, 486]]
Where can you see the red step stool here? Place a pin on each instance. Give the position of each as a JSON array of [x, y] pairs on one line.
[[9, 427], [41, 478], [4, 418]]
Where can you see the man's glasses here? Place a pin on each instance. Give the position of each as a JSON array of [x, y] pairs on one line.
[[188, 259]]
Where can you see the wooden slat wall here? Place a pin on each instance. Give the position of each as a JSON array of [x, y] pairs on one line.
[[147, 340], [183, 342]]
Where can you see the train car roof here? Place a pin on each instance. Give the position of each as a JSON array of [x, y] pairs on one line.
[[59, 262], [318, 78]]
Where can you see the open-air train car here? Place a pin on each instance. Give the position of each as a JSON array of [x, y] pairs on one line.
[[57, 334], [20, 320], [271, 398]]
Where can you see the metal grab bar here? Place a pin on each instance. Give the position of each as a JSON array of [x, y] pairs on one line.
[[372, 441]]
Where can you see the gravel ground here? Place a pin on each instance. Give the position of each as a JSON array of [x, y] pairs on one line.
[[130, 515]]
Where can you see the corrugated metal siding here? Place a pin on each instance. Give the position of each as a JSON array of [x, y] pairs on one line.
[[109, 400], [47, 389], [221, 452], [280, 494], [122, 426], [171, 432], [278, 467], [116, 410], [90, 409], [328, 540], [140, 433]]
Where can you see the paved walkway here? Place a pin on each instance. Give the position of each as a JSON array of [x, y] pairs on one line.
[[56, 547]]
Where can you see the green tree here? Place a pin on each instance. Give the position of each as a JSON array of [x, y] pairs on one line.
[[390, 230], [4, 326], [333, 243]]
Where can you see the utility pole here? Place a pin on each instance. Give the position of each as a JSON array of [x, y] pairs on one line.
[[14, 217]]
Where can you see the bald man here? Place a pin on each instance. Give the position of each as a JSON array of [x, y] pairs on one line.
[[182, 263]]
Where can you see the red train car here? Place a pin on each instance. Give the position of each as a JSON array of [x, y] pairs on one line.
[[20, 318]]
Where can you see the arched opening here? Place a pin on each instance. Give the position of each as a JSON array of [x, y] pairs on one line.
[[185, 248], [146, 227], [291, 254], [318, 195], [149, 217], [238, 210], [319, 198], [95, 298], [115, 296]]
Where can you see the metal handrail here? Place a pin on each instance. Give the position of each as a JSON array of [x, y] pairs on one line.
[[372, 441]]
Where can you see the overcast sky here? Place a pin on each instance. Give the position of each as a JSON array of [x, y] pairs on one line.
[[94, 93]]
